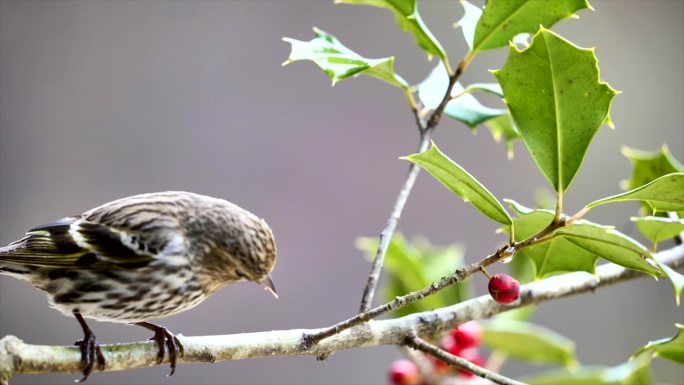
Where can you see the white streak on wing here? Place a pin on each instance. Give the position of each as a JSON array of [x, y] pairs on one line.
[[135, 247], [125, 239], [77, 237], [174, 253]]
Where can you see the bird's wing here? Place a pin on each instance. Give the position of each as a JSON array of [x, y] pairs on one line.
[[46, 245], [86, 242]]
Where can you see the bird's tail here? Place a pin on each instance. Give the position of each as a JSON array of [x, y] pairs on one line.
[[10, 268]]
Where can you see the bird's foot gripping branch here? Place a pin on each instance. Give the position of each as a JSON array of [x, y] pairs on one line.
[[17, 357], [141, 258]]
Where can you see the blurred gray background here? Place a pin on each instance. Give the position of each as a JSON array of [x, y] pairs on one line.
[[104, 99]]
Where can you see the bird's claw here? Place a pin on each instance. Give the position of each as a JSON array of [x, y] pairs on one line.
[[90, 355], [167, 341]]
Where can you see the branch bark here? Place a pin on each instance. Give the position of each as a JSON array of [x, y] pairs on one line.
[[458, 276], [17, 357]]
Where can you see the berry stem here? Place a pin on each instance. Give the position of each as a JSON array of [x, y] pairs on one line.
[[559, 206], [485, 272]]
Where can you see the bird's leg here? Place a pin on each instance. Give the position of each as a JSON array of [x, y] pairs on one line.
[[166, 340], [90, 349]]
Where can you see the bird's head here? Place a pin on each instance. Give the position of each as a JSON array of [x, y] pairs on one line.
[[260, 255], [241, 247]]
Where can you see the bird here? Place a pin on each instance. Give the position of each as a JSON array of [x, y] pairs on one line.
[[141, 258]]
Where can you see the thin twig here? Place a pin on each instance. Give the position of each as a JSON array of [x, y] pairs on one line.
[[17, 357], [436, 116], [388, 231], [426, 129], [458, 276], [559, 205], [461, 363]]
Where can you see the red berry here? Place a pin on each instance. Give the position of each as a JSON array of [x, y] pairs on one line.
[[404, 372], [472, 355], [504, 288], [450, 344], [440, 367], [467, 335]]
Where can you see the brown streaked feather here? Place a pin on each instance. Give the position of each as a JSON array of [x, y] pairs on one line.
[[46, 245], [109, 244], [103, 238]]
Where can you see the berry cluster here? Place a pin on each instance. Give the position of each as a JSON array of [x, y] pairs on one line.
[[462, 341]]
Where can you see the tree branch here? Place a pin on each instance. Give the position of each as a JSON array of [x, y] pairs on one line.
[[17, 357], [426, 129], [461, 363], [388, 231], [458, 276]]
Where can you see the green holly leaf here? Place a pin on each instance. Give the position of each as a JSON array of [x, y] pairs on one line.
[[648, 166], [576, 247], [658, 229], [461, 183], [408, 19], [676, 279], [502, 20], [668, 348], [609, 244], [504, 127], [468, 23], [528, 342], [492, 88], [467, 109], [634, 372], [608, 121], [464, 107], [339, 62], [560, 256], [553, 257], [558, 102], [414, 265], [663, 194]]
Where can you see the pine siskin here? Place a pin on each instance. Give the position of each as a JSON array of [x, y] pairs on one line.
[[141, 258]]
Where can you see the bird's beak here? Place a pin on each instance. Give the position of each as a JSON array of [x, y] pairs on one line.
[[267, 283]]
